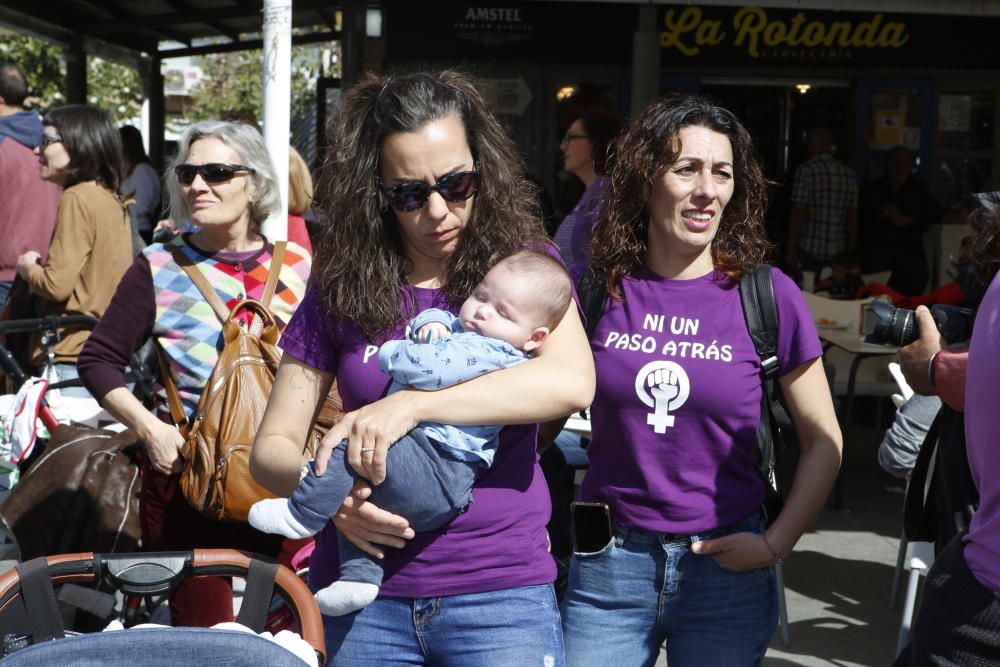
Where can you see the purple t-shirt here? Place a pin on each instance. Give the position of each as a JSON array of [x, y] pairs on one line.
[[499, 542], [982, 437], [678, 400], [573, 235]]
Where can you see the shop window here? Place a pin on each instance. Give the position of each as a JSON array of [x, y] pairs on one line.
[[964, 143]]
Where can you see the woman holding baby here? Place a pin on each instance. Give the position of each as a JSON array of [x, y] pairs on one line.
[[427, 193]]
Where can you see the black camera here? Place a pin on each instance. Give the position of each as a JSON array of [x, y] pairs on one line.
[[887, 325]]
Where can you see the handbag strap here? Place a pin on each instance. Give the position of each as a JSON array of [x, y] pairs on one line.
[[201, 282], [213, 298], [177, 414], [273, 273]]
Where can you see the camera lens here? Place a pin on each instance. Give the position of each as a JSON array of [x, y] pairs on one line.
[[890, 325]]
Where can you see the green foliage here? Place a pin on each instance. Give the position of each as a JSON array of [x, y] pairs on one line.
[[233, 84], [110, 86], [43, 65], [115, 88]]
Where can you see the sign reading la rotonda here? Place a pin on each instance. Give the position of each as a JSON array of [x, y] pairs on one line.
[[726, 35]]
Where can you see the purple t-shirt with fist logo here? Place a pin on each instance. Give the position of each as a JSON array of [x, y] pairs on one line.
[[498, 542], [678, 400]]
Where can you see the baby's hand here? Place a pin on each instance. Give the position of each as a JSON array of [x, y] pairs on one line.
[[431, 332]]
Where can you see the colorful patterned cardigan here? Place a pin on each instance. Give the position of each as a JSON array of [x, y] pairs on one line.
[[187, 327]]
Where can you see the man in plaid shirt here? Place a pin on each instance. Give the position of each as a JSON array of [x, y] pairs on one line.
[[824, 219]]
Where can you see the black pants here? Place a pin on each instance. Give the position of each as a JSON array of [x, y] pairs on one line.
[[959, 619]]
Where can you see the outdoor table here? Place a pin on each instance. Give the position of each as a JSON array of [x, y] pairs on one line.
[[849, 341]]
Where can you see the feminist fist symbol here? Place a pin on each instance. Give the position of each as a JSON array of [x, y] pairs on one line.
[[663, 386]]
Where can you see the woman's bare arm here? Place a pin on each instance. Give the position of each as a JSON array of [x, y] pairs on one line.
[[279, 448], [164, 443], [277, 456], [811, 407]]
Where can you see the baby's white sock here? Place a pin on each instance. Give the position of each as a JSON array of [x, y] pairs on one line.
[[344, 597], [273, 516]]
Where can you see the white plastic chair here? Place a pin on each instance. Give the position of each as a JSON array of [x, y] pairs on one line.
[[920, 557]]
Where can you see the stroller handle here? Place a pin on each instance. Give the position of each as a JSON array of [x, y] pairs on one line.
[[51, 322], [170, 567]]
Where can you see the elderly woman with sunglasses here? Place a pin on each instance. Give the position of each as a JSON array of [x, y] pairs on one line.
[[224, 182], [425, 192], [91, 245]]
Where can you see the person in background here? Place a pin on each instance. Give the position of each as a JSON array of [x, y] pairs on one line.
[[300, 198], [91, 246], [28, 203], [824, 217], [141, 184], [674, 420], [896, 211], [223, 181], [844, 281], [585, 152], [959, 617]]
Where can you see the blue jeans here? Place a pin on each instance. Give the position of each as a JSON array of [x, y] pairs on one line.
[[644, 588], [5, 286], [68, 372], [513, 626], [422, 484]]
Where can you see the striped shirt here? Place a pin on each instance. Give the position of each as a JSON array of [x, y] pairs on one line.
[[830, 188]]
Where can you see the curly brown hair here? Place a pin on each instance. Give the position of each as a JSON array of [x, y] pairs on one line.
[[360, 267], [981, 250], [649, 145]]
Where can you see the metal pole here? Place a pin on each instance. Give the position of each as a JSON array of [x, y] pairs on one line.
[[157, 113], [76, 71], [645, 60], [277, 96], [353, 30]]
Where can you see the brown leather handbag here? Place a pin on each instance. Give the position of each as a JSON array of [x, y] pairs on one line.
[[216, 476]]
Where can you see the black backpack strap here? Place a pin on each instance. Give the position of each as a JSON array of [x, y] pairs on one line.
[[761, 312], [593, 292]]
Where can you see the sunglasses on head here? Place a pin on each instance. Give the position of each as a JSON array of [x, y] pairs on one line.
[[413, 195], [214, 172]]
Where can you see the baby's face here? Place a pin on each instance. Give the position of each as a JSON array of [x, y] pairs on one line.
[[502, 306]]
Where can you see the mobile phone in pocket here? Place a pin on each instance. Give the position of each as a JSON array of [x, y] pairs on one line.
[[591, 526]]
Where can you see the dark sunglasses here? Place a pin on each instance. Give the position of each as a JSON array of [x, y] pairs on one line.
[[413, 195], [49, 139], [214, 172]]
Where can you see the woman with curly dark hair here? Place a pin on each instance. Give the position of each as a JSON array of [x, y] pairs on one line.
[[424, 192], [678, 404]]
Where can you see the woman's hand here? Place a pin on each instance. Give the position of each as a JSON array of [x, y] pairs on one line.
[[25, 261], [738, 552], [366, 525], [164, 445], [370, 432]]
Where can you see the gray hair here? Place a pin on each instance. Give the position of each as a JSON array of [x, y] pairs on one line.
[[249, 145]]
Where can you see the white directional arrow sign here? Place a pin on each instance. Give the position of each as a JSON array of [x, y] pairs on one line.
[[507, 96]]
